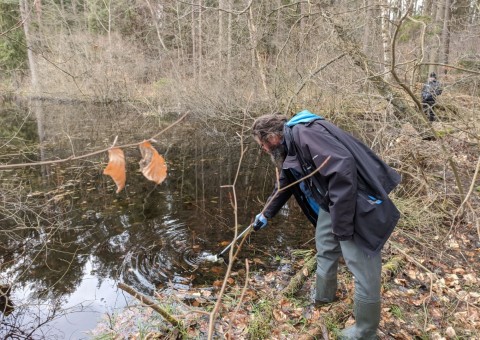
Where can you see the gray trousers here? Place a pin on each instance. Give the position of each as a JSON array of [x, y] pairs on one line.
[[366, 269]]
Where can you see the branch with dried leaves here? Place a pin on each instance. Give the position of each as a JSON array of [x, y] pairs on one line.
[[73, 158]]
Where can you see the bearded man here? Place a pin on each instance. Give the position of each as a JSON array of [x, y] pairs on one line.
[[346, 200]]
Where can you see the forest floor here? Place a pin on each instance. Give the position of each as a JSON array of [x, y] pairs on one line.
[[431, 266]]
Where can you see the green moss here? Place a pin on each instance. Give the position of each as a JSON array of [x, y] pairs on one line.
[[259, 327]]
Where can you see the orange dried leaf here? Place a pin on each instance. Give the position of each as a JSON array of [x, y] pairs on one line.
[[152, 164], [218, 283], [116, 167]]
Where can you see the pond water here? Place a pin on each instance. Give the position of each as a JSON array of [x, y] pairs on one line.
[[67, 238]]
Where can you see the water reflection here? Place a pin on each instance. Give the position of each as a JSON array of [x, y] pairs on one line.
[[66, 235]]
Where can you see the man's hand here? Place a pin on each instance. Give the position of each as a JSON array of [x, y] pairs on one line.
[[260, 222]]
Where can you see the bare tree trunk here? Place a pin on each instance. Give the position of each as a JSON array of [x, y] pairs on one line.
[[369, 26], [221, 40], [415, 3], [74, 7], [386, 39], [474, 12], [156, 18], [396, 10], [229, 40], [194, 42], [303, 20], [34, 81], [38, 11], [24, 13], [256, 53], [446, 35], [436, 40], [427, 7], [199, 39], [181, 52], [108, 6], [251, 32]]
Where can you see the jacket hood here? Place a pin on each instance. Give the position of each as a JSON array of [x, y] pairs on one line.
[[304, 116]]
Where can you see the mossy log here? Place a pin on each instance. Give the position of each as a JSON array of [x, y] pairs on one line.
[[150, 303], [299, 279], [392, 266]]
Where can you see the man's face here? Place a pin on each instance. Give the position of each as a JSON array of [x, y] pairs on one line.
[[275, 148]]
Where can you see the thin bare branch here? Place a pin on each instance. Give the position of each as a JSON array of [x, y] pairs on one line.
[[74, 158]]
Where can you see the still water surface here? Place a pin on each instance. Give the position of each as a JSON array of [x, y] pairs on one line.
[[68, 238]]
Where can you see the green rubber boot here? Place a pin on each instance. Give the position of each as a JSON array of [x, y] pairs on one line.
[[367, 318], [325, 290]]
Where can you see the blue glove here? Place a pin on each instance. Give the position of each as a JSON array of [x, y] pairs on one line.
[[260, 222]]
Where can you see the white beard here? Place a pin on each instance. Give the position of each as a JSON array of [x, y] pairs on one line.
[[278, 155]]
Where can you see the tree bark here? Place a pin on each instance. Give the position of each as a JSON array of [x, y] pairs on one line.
[[229, 40], [256, 55], [199, 39], [24, 10], [386, 39], [435, 42], [194, 40], [369, 26], [155, 22], [221, 39], [446, 35]]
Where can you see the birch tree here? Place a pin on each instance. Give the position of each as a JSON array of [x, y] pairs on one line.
[[386, 38], [25, 13], [256, 55], [435, 41], [446, 34], [156, 18]]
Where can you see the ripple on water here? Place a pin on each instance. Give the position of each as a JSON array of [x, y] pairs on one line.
[[165, 262]]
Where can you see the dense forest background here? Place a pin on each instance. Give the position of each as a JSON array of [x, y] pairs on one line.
[[361, 64], [217, 57]]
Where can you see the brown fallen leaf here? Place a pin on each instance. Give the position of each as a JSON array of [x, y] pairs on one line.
[[152, 164], [217, 283], [216, 269], [279, 315], [224, 243], [116, 167]]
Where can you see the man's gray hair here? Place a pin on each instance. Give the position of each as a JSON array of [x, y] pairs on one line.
[[268, 125]]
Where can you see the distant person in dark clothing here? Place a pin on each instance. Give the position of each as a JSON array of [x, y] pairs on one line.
[[431, 89]]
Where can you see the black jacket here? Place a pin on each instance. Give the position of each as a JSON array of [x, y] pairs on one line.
[[348, 186], [431, 90]]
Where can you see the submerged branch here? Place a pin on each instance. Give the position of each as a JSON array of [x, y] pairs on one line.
[[150, 303]]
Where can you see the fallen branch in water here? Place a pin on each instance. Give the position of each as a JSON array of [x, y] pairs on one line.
[[150, 303]]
